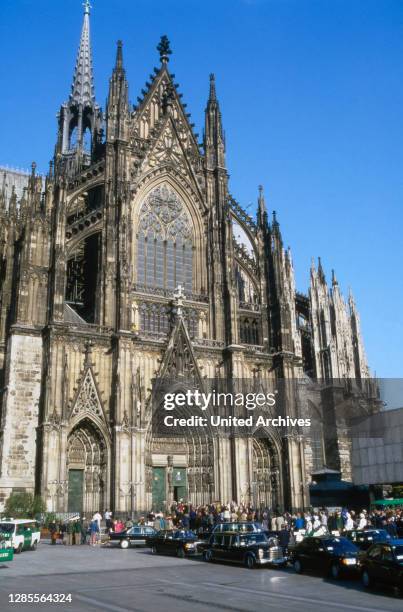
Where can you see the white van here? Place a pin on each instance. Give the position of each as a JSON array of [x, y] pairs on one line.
[[23, 534]]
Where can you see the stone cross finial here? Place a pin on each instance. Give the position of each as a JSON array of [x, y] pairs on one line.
[[164, 49]]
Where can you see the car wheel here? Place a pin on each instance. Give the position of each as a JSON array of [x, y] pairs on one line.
[[366, 579], [298, 566], [34, 545], [180, 553], [208, 556], [250, 561], [124, 544], [335, 571], [154, 550]]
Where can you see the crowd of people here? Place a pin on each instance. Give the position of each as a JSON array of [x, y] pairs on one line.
[[200, 519], [312, 521]]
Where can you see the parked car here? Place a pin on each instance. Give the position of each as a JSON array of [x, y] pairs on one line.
[[6, 550], [242, 526], [23, 534], [332, 555], [364, 538], [180, 542], [135, 536], [382, 562], [250, 549]]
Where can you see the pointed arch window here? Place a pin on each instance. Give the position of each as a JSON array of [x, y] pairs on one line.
[[249, 330], [164, 242]]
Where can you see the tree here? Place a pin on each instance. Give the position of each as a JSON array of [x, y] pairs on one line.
[[24, 505]]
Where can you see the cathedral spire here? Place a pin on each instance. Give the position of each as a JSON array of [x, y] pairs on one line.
[[80, 118], [82, 89], [118, 100], [276, 233], [261, 211], [213, 95], [119, 56], [214, 143], [321, 273]]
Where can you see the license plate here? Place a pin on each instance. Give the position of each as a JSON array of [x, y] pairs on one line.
[[350, 561]]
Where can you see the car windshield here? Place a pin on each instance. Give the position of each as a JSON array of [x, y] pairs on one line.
[[184, 534], [6, 527], [372, 534], [256, 538], [340, 545], [245, 527], [398, 552]]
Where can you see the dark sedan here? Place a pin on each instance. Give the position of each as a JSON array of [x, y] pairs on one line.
[[383, 562], [250, 549], [241, 526], [135, 536], [364, 538], [181, 543], [327, 554], [225, 527]]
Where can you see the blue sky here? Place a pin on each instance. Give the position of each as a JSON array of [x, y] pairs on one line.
[[311, 93]]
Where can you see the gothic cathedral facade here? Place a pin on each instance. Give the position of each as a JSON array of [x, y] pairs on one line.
[[129, 262]]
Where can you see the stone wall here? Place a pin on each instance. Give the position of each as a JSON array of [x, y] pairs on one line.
[[20, 413]]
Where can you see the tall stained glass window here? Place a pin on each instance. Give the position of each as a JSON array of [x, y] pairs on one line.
[[165, 242]]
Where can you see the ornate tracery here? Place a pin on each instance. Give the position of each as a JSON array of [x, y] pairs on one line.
[[165, 241]]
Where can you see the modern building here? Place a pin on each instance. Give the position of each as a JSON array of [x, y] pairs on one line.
[[377, 451], [134, 264]]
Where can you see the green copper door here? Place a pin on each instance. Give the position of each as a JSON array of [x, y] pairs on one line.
[[159, 489], [76, 491]]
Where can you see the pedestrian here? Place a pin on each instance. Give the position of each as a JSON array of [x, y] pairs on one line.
[[308, 523], [97, 517], [157, 522], [283, 537], [77, 532], [53, 532], [349, 524], [299, 522], [169, 523], [108, 520], [84, 527], [94, 531], [70, 532], [63, 533], [362, 523]]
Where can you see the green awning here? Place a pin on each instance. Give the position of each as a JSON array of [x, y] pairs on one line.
[[388, 502]]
